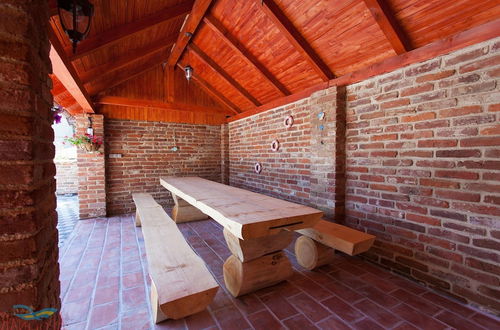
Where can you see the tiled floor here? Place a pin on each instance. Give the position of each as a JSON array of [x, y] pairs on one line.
[[105, 285], [67, 216]]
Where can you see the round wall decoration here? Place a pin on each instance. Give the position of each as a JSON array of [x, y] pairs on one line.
[[275, 145], [288, 121], [258, 168]]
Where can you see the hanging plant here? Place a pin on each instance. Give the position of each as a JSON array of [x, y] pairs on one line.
[[85, 142], [57, 114]]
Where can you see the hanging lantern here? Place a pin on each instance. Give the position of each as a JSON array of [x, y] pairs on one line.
[[75, 16], [189, 72]]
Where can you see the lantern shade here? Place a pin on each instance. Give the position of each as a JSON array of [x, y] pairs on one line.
[[75, 16], [188, 70]]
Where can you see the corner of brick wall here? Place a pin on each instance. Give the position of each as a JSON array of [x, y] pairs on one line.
[[28, 236], [415, 160], [224, 148], [91, 170]]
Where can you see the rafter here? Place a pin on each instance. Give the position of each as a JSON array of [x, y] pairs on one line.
[[213, 92], [286, 27], [200, 7], [66, 73], [389, 26], [125, 60], [140, 103], [115, 34], [244, 54], [127, 74], [221, 72]]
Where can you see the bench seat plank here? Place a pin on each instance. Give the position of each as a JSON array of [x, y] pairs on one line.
[[183, 284], [342, 238]]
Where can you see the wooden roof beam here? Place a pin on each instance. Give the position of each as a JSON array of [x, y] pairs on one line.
[[115, 34], [66, 73], [125, 60], [220, 71], [235, 45], [286, 27], [389, 26], [200, 7], [132, 72], [214, 93], [140, 103]]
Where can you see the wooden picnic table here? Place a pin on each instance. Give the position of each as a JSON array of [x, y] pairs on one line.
[[256, 228]]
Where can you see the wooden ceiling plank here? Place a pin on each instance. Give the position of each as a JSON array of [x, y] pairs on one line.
[[200, 7], [151, 104], [125, 60], [457, 41], [132, 71], [389, 26], [221, 72], [286, 27], [214, 93], [117, 33], [235, 45], [66, 73], [170, 83]]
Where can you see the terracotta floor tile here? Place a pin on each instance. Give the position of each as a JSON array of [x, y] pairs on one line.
[[249, 304], [103, 315], [379, 314], [278, 305], [343, 310], [405, 326], [106, 295], [230, 318], [343, 292], [367, 324], [448, 304], [455, 321], [299, 322], [75, 312], [136, 321], [134, 299], [264, 320], [171, 325], [333, 322], [378, 282], [378, 296], [133, 279], [307, 306], [201, 320], [488, 322], [418, 319]]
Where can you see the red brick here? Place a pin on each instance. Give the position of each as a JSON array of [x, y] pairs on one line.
[[457, 175], [422, 68], [467, 56], [439, 183], [417, 89], [481, 141], [435, 76], [491, 130], [419, 117], [455, 112], [477, 65], [458, 195], [458, 153]]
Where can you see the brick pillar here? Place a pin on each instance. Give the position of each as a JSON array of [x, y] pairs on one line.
[[29, 268], [327, 151], [91, 171], [224, 147]]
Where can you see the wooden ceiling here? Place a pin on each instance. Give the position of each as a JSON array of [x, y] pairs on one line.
[[250, 55]]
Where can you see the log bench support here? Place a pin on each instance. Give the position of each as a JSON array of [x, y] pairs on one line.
[[185, 212], [256, 263], [318, 244]]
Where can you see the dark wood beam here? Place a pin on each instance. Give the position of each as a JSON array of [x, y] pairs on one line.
[[99, 86], [213, 92], [221, 72], [135, 55], [116, 34], [389, 26], [200, 7], [458, 41], [286, 27], [140, 103], [244, 54], [66, 73]]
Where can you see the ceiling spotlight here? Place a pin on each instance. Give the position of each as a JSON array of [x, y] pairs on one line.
[[188, 70]]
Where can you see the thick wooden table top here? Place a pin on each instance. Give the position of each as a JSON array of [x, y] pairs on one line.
[[244, 213]]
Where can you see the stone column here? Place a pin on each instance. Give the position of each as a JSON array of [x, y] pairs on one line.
[[29, 268], [91, 171]]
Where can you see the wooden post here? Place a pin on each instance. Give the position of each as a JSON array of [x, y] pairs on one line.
[[256, 263], [311, 254], [185, 212]]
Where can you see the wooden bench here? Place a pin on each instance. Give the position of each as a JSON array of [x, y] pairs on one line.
[[181, 284], [317, 245]]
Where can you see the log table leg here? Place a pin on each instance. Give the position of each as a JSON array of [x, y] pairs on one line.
[[311, 254], [185, 212], [256, 263]]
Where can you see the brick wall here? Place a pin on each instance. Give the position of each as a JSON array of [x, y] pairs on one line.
[[422, 167], [91, 171], [28, 236], [146, 155], [66, 174]]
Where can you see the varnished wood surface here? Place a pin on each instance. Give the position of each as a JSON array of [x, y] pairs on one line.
[[244, 213]]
